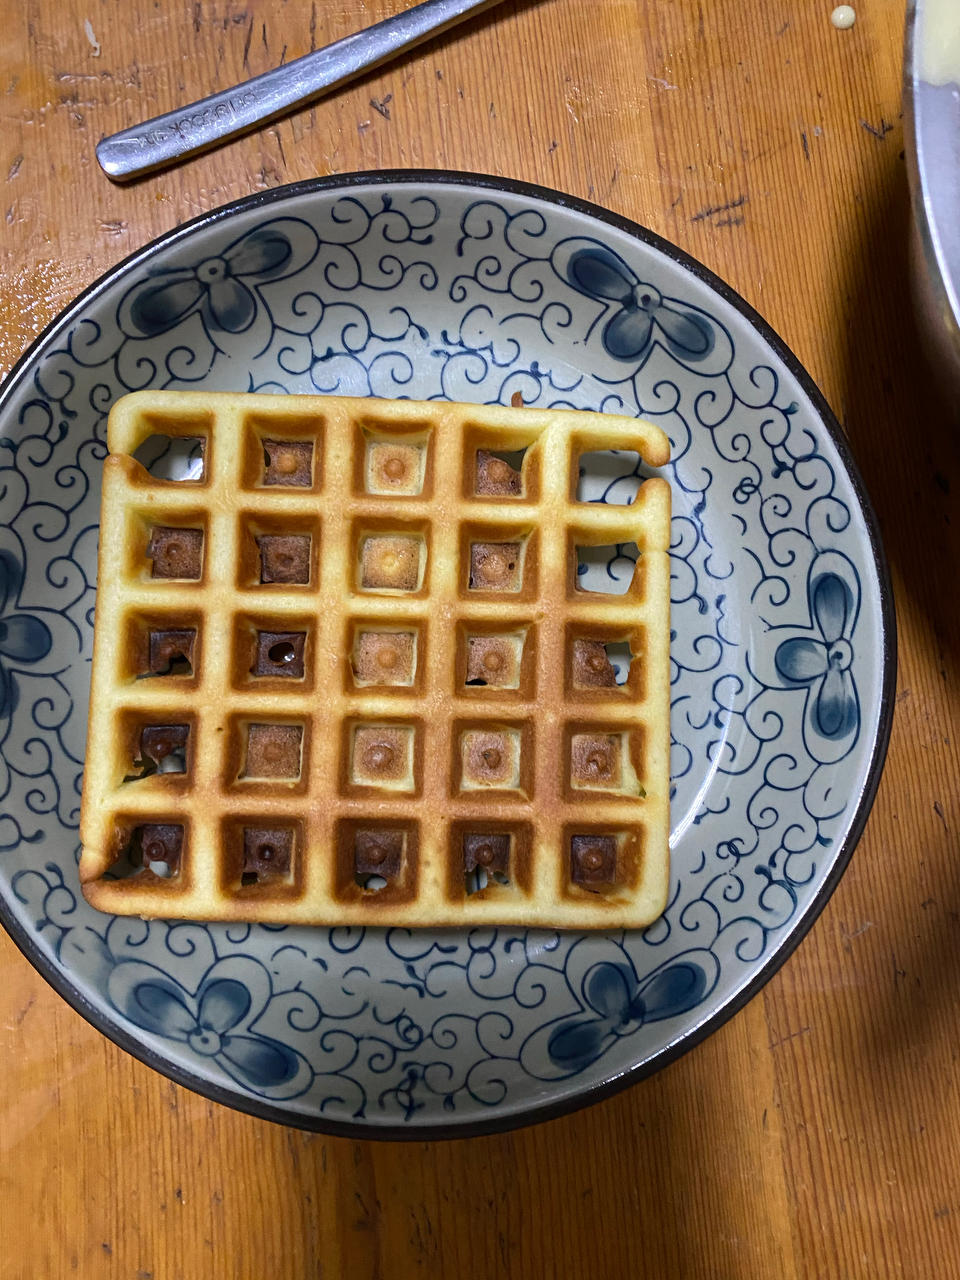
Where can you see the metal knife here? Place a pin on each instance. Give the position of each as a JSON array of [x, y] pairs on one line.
[[178, 134]]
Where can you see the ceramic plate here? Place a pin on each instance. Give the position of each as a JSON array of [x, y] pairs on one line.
[[465, 288]]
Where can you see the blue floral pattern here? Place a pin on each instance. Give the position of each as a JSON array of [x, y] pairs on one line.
[[24, 638], [777, 651], [642, 313], [824, 662], [210, 1021], [224, 289], [621, 1005]]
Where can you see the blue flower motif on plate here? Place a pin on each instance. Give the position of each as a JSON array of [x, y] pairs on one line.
[[224, 289], [822, 663], [621, 1004], [24, 638], [641, 309], [214, 1021]]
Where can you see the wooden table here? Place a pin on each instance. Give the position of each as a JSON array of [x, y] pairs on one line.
[[815, 1135]]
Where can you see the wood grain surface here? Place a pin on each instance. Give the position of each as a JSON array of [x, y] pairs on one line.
[[815, 1135]]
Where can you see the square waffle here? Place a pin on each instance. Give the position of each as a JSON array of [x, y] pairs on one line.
[[347, 674]]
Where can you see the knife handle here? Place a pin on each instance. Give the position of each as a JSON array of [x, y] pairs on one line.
[[178, 134]]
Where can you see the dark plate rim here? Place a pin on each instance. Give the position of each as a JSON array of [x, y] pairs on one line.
[[494, 1123]]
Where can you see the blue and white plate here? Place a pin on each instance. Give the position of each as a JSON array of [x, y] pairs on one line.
[[465, 288]]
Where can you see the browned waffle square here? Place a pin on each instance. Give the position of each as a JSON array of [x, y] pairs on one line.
[[348, 674]]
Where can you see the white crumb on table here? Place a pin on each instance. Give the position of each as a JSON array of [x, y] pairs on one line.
[[89, 32]]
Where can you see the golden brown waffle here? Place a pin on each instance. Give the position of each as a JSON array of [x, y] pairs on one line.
[[348, 675]]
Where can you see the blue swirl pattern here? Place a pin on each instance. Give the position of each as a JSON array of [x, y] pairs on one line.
[[451, 293]]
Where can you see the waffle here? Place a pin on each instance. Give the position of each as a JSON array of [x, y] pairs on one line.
[[347, 675]]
